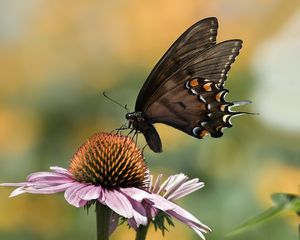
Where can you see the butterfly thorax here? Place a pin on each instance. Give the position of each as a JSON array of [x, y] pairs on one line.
[[140, 124], [136, 120]]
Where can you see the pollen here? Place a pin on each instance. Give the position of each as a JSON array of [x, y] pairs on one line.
[[111, 161]]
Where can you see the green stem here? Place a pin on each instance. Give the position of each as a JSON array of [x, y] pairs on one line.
[[141, 232], [103, 215]]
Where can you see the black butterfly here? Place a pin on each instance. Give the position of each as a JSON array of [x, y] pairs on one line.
[[186, 87]]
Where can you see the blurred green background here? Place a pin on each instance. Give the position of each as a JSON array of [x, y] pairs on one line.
[[56, 58]]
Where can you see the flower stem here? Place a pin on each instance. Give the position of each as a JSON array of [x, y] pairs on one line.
[[103, 215], [141, 232]]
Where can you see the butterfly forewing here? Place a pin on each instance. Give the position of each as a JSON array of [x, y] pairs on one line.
[[196, 39], [211, 65], [214, 63]]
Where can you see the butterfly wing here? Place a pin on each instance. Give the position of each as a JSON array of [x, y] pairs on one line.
[[191, 43], [192, 99], [186, 88]]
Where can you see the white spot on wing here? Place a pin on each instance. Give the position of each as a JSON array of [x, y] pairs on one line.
[[202, 98], [224, 94], [203, 124], [225, 118], [194, 91], [187, 84], [196, 131]]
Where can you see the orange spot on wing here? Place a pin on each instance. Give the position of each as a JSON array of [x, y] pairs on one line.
[[207, 87], [219, 128], [223, 107], [194, 83], [203, 133], [218, 96]]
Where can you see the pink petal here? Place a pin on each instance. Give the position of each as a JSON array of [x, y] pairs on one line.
[[191, 184], [185, 189], [46, 189], [198, 227], [179, 213], [90, 192], [139, 213], [142, 206], [82, 203], [171, 182], [188, 218], [161, 203], [132, 223], [118, 203], [174, 183], [156, 184], [166, 205], [72, 197], [82, 192], [61, 170], [136, 194], [17, 192], [150, 184], [52, 182], [20, 184], [47, 176]]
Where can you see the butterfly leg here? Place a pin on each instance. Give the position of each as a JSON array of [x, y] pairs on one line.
[[117, 130], [136, 134], [146, 145]]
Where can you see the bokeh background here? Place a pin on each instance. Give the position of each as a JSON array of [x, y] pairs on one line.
[[56, 58]]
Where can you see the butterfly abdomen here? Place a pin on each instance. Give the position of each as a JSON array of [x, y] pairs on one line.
[[152, 138]]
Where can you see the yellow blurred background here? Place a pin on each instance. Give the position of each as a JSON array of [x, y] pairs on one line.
[[57, 57]]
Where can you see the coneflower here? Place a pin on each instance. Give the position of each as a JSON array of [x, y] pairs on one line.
[[110, 171]]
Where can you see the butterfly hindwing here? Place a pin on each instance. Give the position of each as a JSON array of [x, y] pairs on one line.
[[198, 108]]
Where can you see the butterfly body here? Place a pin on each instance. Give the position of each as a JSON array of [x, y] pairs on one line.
[[144, 125], [185, 89]]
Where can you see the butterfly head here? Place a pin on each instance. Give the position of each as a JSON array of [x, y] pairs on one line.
[[131, 116], [134, 119]]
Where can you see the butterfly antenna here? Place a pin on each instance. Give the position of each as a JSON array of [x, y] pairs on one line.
[[116, 102]]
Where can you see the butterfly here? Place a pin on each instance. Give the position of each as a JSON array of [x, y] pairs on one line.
[[185, 89]]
